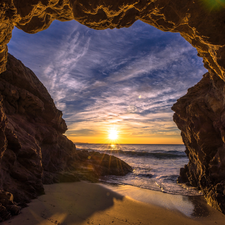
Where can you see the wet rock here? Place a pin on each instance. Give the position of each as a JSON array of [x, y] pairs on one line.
[[103, 164]]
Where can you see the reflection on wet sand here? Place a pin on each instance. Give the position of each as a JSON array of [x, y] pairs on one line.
[[191, 206]]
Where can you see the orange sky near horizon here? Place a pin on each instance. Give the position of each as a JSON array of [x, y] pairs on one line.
[[158, 132], [127, 140], [127, 132]]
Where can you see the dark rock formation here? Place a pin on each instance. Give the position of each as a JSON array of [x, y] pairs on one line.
[[200, 115], [33, 148], [102, 164], [33, 129], [7, 207]]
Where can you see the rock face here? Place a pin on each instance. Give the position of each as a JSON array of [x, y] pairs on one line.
[[200, 115], [33, 129], [33, 149], [199, 22]]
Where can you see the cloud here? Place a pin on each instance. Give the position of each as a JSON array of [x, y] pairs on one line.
[[129, 77]]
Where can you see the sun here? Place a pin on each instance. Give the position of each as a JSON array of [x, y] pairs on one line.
[[113, 134]]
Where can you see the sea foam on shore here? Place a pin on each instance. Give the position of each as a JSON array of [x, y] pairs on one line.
[[155, 167]]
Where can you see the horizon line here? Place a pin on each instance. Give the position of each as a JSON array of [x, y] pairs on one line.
[[120, 143]]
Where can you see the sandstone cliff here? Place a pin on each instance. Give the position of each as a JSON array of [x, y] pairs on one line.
[[33, 148]]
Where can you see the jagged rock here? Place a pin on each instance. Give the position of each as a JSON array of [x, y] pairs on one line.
[[33, 149], [199, 22], [200, 115], [7, 207], [31, 117]]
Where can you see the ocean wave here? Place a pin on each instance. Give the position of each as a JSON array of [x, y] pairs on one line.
[[158, 154], [169, 178], [155, 154], [148, 175]]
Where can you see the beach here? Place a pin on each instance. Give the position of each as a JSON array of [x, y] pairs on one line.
[[90, 203]]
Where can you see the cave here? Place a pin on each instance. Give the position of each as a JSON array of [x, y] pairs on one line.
[[199, 114]]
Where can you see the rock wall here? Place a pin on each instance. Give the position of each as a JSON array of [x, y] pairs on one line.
[[33, 149], [32, 127], [200, 115]]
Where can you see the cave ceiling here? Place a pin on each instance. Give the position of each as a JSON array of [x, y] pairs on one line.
[[200, 23]]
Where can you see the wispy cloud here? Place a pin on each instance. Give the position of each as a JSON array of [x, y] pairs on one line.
[[128, 77]]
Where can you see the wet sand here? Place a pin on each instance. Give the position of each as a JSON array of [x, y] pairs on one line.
[[87, 203]]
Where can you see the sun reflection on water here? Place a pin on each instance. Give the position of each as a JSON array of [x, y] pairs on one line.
[[114, 147]]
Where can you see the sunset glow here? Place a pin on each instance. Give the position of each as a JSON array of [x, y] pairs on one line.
[[111, 90]]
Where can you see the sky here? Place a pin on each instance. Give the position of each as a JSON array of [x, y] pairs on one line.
[[124, 80]]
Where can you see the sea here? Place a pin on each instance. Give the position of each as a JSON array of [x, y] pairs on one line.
[[155, 166]]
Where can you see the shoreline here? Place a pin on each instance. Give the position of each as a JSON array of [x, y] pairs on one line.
[[93, 203], [194, 206]]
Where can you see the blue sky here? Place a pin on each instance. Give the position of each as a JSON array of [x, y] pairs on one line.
[[126, 78]]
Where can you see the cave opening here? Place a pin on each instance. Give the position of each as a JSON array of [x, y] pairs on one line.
[[112, 78], [124, 80]]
